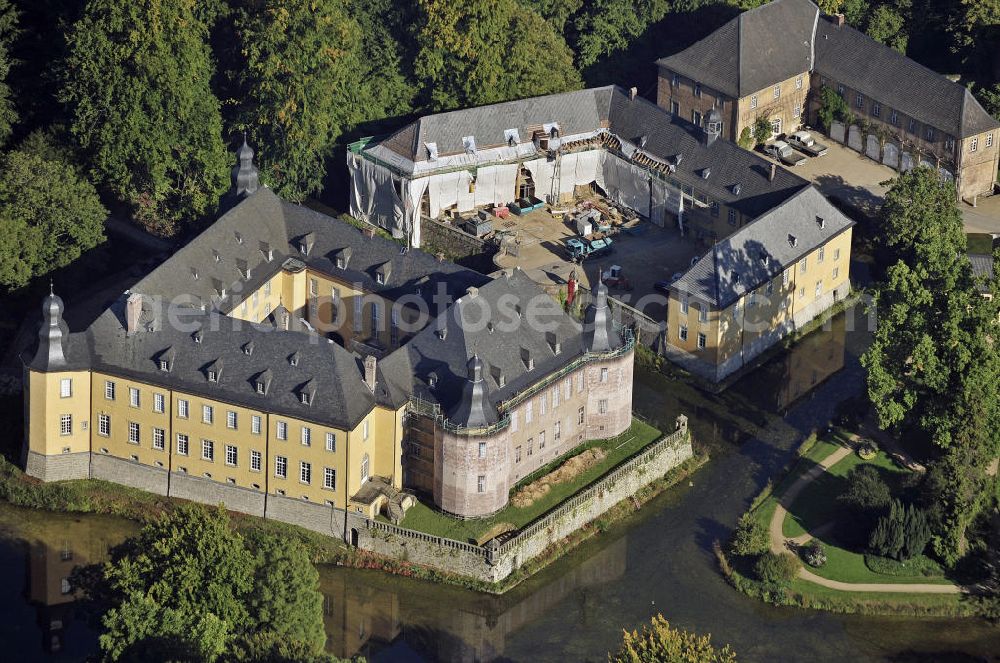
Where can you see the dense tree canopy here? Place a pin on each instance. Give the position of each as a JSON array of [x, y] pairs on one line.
[[137, 83], [474, 52], [661, 642], [49, 215], [188, 587]]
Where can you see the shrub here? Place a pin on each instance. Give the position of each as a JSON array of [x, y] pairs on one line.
[[832, 107], [746, 138], [902, 533], [661, 642], [777, 569], [751, 537], [867, 450], [762, 130], [866, 489], [814, 554], [919, 565]]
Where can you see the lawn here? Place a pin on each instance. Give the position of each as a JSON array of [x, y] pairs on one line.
[[424, 518], [835, 599]]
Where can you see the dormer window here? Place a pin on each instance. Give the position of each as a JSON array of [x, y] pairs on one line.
[[705, 173], [512, 136], [293, 359], [248, 348], [432, 151], [307, 392], [341, 263], [216, 255], [213, 376], [194, 273], [262, 382], [529, 361], [243, 267], [260, 387], [239, 238], [164, 365], [197, 336], [342, 258], [266, 251], [554, 343], [821, 222], [793, 241], [306, 243], [737, 188], [304, 398], [380, 278]]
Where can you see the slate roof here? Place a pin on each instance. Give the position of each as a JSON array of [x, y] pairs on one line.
[[668, 136], [409, 369], [220, 253], [341, 397], [982, 267], [753, 51], [575, 112], [877, 71], [762, 249], [610, 108]]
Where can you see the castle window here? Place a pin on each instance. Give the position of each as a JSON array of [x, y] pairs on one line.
[[305, 472], [480, 483], [213, 376], [602, 406], [208, 450], [541, 440], [482, 450], [364, 431], [697, 90], [255, 457], [604, 375], [133, 397], [777, 91], [182, 444], [207, 414], [894, 117], [231, 420], [580, 414], [329, 478], [517, 454], [255, 424], [281, 467], [66, 424], [306, 436], [104, 425], [798, 82], [701, 341], [109, 390], [859, 101], [929, 133], [133, 432], [974, 144], [557, 431], [65, 387], [159, 403], [821, 254], [231, 455], [159, 439], [753, 101], [682, 332], [364, 469], [876, 109], [164, 365], [182, 408], [331, 441], [989, 140], [282, 430]]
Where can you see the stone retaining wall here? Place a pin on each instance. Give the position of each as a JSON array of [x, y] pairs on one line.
[[58, 468], [207, 491], [129, 473]]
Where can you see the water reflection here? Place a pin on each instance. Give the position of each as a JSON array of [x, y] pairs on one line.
[[379, 618]]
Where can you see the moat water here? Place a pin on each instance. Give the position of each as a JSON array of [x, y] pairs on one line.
[[659, 561]]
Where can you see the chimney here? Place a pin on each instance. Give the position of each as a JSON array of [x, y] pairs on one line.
[[838, 20], [472, 291], [368, 232], [439, 256], [632, 93], [370, 364], [133, 311], [774, 171]]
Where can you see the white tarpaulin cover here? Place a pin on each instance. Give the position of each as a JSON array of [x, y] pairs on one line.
[[626, 183], [373, 195], [666, 200]]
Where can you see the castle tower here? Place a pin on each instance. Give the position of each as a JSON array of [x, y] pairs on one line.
[[599, 333], [245, 176], [473, 410], [56, 402]]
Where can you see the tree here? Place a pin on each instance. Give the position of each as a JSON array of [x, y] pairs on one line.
[[888, 25], [607, 26], [762, 130], [473, 52], [751, 537], [188, 587], [902, 533], [777, 570], [137, 86], [832, 107], [49, 215], [297, 83], [866, 490], [661, 642], [8, 31]]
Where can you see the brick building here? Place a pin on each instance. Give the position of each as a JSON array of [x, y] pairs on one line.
[[772, 61]]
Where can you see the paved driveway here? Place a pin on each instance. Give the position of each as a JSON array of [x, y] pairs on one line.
[[845, 174], [651, 254]]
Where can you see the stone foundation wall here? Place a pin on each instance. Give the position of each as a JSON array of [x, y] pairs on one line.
[[453, 242], [58, 468], [493, 563], [207, 491], [319, 518], [129, 473]]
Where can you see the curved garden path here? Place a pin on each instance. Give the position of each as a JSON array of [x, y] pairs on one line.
[[780, 544]]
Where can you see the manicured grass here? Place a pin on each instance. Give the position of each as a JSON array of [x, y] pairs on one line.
[[424, 518], [878, 602], [847, 566]]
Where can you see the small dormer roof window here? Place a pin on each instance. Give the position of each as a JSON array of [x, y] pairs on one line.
[[469, 143], [529, 361], [267, 251], [432, 379], [737, 188], [343, 258], [307, 392], [194, 273], [498, 375], [293, 359], [243, 267], [706, 172], [793, 241], [553, 341], [248, 348], [216, 255], [214, 371], [239, 237], [306, 243], [512, 136], [383, 272], [212, 376], [165, 360], [432, 151], [263, 382], [442, 333], [821, 222], [198, 335], [220, 287]]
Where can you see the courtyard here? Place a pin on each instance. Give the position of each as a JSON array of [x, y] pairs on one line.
[[646, 253]]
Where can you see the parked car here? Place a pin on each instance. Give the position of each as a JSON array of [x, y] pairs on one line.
[[784, 153], [804, 142], [577, 249]]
